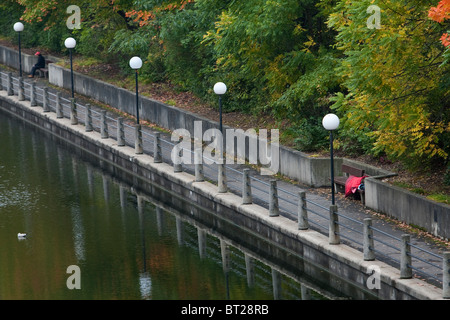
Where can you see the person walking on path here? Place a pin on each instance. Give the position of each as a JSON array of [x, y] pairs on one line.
[[40, 64]]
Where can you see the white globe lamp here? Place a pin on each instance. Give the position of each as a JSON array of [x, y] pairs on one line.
[[70, 43], [330, 121], [18, 27], [135, 63], [220, 88]]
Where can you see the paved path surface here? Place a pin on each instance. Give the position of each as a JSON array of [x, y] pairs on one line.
[[427, 254]]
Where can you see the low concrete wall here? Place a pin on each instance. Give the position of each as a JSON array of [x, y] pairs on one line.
[[10, 58], [369, 169], [408, 207], [342, 261]]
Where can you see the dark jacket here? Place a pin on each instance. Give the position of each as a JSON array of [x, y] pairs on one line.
[[41, 62]]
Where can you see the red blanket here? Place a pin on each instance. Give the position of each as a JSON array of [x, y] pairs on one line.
[[352, 184]]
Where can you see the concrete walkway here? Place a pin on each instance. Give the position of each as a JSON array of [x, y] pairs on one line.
[[427, 254]]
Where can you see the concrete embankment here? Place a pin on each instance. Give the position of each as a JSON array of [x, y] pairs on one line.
[[346, 267]]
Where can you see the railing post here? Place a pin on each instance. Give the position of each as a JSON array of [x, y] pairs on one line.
[[120, 132], [198, 162], [273, 199], [138, 149], [405, 258], [180, 229], [446, 276], [333, 236], [222, 178], [33, 95], [249, 270], [177, 162], [276, 284], [103, 125], [9, 85], [21, 93], [246, 188], [59, 107], [302, 212], [177, 167], [225, 252], [45, 103], [157, 157], [368, 246], [73, 112], [305, 292], [88, 119], [201, 239]]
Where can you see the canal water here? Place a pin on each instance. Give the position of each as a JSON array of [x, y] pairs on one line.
[[90, 236]]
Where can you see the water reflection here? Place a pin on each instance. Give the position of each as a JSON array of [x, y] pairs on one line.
[[128, 243]]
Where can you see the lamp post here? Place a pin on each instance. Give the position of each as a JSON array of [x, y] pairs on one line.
[[136, 64], [18, 27], [331, 122], [70, 43], [220, 89]]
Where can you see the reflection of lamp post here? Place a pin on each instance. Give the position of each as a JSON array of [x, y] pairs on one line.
[[70, 43], [136, 64], [331, 122], [18, 27], [220, 89]]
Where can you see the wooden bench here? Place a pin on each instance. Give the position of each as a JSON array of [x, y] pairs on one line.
[[43, 72], [339, 182]]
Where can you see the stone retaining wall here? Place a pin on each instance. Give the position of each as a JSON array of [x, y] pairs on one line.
[[408, 207]]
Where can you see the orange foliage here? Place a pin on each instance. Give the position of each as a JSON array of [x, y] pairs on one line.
[[440, 13], [445, 39], [140, 16], [144, 17]]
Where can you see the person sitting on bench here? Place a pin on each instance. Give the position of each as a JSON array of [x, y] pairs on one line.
[[40, 64]]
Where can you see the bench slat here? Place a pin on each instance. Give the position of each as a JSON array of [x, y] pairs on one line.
[[353, 171], [340, 180]]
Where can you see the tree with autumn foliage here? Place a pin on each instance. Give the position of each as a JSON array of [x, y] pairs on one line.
[[168, 34], [292, 59], [397, 91], [440, 13], [45, 23]]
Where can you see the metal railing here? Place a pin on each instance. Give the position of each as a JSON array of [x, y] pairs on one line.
[[326, 220]]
